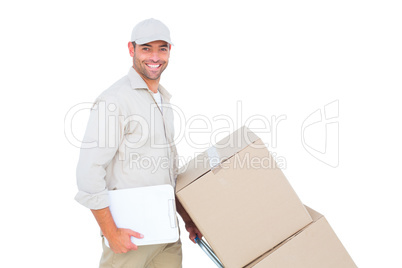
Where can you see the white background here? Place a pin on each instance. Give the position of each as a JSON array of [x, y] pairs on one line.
[[276, 57]]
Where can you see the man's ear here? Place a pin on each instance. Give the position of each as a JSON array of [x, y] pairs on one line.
[[170, 47], [131, 49]]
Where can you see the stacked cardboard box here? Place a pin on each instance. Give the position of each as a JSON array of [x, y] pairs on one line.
[[315, 246], [247, 210]]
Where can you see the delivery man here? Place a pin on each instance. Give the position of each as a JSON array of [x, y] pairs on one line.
[[129, 142]]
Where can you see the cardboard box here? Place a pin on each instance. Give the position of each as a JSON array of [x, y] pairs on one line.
[[316, 246], [239, 199]]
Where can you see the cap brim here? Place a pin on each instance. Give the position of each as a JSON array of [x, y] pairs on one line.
[[149, 39]]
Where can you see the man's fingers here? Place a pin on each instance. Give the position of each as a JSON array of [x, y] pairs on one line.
[[135, 234], [192, 235], [192, 238], [133, 246], [131, 233]]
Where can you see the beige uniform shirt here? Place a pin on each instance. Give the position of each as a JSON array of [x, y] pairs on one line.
[[128, 142]]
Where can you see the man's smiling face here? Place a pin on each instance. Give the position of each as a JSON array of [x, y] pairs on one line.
[[151, 59]]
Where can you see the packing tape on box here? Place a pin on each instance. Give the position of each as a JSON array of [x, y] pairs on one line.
[[213, 157], [215, 160]]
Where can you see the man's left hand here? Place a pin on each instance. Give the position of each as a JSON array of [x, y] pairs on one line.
[[193, 231]]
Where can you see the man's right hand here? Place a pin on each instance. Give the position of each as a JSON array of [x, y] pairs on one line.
[[120, 241]]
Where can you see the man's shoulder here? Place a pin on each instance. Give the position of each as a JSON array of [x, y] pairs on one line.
[[117, 90]]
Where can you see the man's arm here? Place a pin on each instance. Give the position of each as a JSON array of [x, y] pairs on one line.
[[119, 239], [189, 224], [91, 172]]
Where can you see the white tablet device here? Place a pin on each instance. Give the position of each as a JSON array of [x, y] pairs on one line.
[[150, 211]]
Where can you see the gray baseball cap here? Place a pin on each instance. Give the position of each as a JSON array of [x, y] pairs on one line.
[[150, 30]]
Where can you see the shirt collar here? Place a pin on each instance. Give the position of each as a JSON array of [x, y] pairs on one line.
[[137, 82]]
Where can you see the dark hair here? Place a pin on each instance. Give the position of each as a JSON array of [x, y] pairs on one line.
[[133, 44]]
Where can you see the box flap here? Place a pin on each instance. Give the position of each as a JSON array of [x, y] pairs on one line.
[[314, 214], [214, 156]]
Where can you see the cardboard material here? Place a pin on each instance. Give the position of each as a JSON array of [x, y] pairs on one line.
[[316, 246], [223, 150], [239, 199]]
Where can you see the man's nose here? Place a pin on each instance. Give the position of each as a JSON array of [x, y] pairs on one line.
[[155, 56]]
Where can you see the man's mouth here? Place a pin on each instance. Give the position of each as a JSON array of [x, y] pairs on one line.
[[154, 66]]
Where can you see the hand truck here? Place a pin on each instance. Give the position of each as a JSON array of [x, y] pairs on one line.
[[205, 247]]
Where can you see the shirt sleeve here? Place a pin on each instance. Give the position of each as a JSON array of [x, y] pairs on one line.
[[101, 140]]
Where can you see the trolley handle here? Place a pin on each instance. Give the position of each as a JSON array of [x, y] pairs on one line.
[[204, 246]]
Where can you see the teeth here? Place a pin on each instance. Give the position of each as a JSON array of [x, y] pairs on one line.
[[153, 66]]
